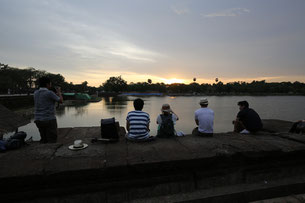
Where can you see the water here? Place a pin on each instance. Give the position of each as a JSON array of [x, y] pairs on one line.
[[290, 108]]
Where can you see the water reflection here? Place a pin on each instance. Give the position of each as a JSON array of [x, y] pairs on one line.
[[60, 111], [79, 109], [115, 104]]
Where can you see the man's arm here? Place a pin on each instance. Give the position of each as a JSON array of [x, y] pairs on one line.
[[148, 127], [127, 125], [235, 121], [58, 90], [159, 120], [196, 118], [148, 121], [177, 118]]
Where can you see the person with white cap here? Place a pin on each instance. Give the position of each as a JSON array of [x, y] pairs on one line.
[[166, 122], [204, 118]]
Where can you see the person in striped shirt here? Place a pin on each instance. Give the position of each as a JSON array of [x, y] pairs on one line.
[[137, 123]]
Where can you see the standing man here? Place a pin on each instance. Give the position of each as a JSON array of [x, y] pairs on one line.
[[138, 123], [247, 119], [44, 114], [204, 118]]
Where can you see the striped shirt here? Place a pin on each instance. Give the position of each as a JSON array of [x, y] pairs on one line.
[[138, 121]]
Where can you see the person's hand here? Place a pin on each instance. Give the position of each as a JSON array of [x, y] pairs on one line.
[[58, 89]]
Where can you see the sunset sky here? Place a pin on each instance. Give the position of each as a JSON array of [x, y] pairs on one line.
[[164, 40]]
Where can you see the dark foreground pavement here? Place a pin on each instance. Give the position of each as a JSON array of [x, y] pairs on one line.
[[228, 167]]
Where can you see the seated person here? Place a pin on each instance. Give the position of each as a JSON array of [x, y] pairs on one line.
[[298, 127], [204, 118], [247, 119], [166, 122], [138, 123]]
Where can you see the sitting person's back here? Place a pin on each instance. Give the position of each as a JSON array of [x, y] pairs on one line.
[[204, 118], [166, 122], [138, 122], [247, 119]]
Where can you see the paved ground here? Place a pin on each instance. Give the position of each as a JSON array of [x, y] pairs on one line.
[[52, 158], [190, 163], [291, 199]]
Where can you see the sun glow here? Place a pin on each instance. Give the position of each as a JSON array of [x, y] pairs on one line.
[[173, 80]]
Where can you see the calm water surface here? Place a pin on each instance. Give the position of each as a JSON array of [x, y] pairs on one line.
[[225, 107]]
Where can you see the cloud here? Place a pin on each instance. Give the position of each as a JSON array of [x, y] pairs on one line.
[[131, 51], [93, 41], [180, 11], [233, 12], [71, 32]]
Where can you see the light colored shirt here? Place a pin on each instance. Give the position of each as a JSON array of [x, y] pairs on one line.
[[205, 117], [45, 104], [138, 121]]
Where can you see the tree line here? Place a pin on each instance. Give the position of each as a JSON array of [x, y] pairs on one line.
[[18, 80], [118, 84]]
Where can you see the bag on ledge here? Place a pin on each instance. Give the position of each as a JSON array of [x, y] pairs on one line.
[[15, 141], [109, 130]]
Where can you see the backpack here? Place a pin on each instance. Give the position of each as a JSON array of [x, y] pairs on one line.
[[167, 126], [15, 141], [109, 129]]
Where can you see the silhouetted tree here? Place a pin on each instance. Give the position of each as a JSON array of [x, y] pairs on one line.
[[115, 84]]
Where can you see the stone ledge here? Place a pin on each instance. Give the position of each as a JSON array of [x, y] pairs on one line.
[[126, 171]]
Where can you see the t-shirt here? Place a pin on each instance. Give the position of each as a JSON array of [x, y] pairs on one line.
[[174, 118], [138, 121], [205, 116], [45, 104], [250, 119]]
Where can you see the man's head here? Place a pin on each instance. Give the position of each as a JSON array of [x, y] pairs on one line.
[[138, 104], [243, 104], [44, 82], [204, 102]]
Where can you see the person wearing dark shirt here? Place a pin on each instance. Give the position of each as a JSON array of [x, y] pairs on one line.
[[298, 127], [247, 119]]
